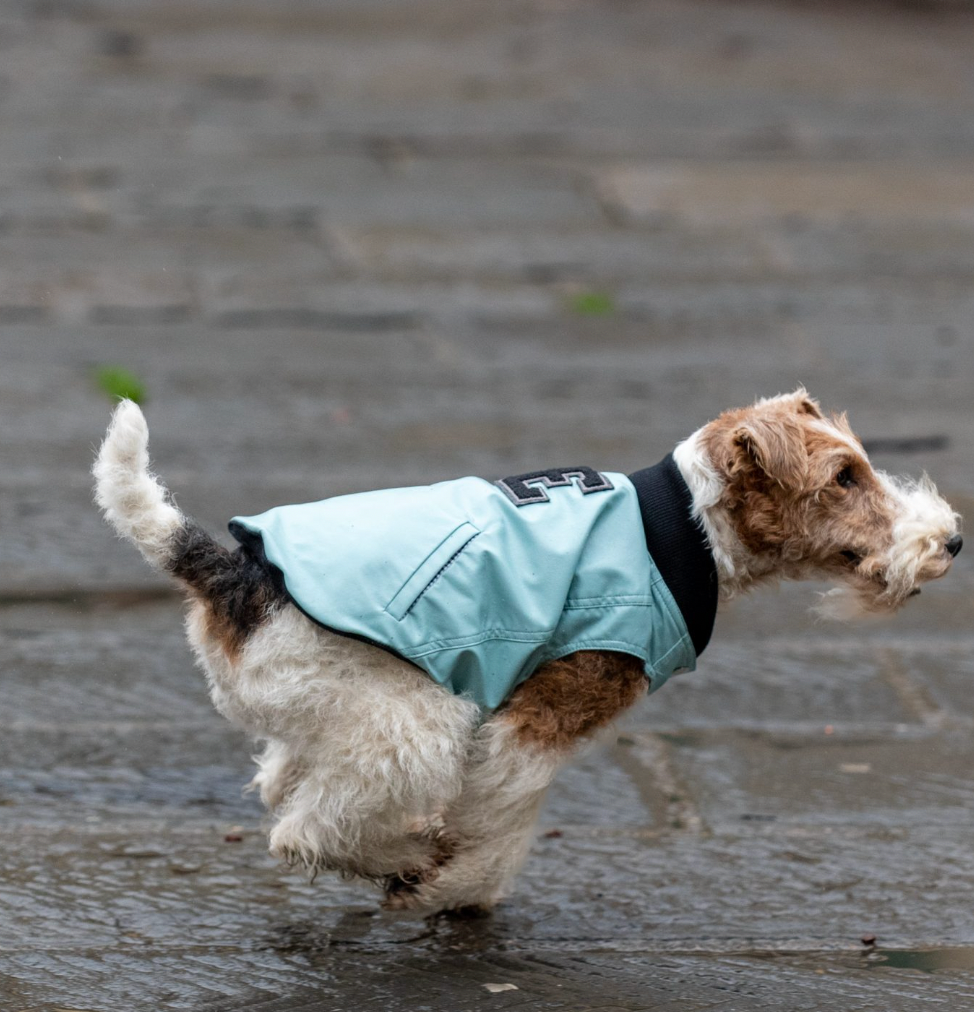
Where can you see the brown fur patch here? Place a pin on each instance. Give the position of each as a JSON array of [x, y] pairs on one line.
[[573, 697]]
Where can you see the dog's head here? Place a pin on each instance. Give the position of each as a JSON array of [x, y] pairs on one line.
[[794, 491]]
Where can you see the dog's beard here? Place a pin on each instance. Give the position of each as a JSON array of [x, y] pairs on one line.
[[889, 589], [847, 603], [885, 581]]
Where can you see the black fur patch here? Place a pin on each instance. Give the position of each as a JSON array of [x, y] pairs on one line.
[[238, 589]]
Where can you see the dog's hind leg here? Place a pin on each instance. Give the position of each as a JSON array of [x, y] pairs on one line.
[[489, 829], [516, 756], [364, 753]]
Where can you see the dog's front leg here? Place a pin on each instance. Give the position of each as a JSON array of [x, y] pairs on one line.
[[515, 757]]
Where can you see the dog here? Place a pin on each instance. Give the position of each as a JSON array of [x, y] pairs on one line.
[[374, 763]]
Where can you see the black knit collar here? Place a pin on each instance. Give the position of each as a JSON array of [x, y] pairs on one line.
[[678, 546]]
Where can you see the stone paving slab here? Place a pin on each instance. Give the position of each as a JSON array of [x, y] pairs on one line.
[[751, 682], [258, 935], [98, 665], [561, 74], [674, 251], [586, 890], [857, 776], [754, 192], [304, 978]]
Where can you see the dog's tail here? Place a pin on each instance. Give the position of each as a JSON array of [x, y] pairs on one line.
[[236, 588], [134, 501], [140, 509]]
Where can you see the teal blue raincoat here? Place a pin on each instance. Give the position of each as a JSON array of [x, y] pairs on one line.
[[480, 583]]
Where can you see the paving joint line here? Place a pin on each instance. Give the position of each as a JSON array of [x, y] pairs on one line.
[[680, 812], [915, 698]]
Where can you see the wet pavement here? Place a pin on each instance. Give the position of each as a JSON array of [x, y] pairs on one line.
[[365, 243]]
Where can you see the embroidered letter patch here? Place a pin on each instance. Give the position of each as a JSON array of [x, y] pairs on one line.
[[523, 489]]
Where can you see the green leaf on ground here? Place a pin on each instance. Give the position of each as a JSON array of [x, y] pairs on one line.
[[592, 304], [119, 383]]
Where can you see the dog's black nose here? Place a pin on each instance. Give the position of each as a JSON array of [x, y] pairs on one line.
[[955, 544]]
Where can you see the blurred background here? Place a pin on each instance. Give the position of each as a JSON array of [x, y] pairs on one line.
[[336, 245]]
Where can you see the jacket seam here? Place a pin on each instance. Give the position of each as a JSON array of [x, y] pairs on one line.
[[604, 644], [603, 603], [516, 636], [682, 644]]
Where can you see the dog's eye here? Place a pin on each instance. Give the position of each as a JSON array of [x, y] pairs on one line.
[[845, 478], [849, 556]]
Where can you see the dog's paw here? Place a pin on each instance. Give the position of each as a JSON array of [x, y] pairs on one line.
[[403, 891], [467, 912], [428, 898]]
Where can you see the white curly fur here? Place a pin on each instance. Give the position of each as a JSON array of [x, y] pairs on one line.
[[135, 504], [923, 521], [371, 768]]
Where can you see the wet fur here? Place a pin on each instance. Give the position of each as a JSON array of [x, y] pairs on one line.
[[372, 769]]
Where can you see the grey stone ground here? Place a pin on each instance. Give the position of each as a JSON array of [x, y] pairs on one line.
[[343, 243]]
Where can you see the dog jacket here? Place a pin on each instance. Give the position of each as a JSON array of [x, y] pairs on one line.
[[479, 583]]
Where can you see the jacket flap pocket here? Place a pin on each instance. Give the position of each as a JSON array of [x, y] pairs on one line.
[[427, 571]]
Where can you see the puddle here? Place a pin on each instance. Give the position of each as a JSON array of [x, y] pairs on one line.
[[959, 957], [950, 957]]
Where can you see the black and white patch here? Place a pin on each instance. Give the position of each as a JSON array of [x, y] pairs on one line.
[[524, 489]]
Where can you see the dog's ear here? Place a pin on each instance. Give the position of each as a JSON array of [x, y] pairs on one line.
[[805, 404], [774, 445]]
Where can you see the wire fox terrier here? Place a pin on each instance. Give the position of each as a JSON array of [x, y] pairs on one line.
[[418, 663]]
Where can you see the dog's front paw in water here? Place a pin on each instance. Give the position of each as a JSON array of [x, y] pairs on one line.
[[405, 889]]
